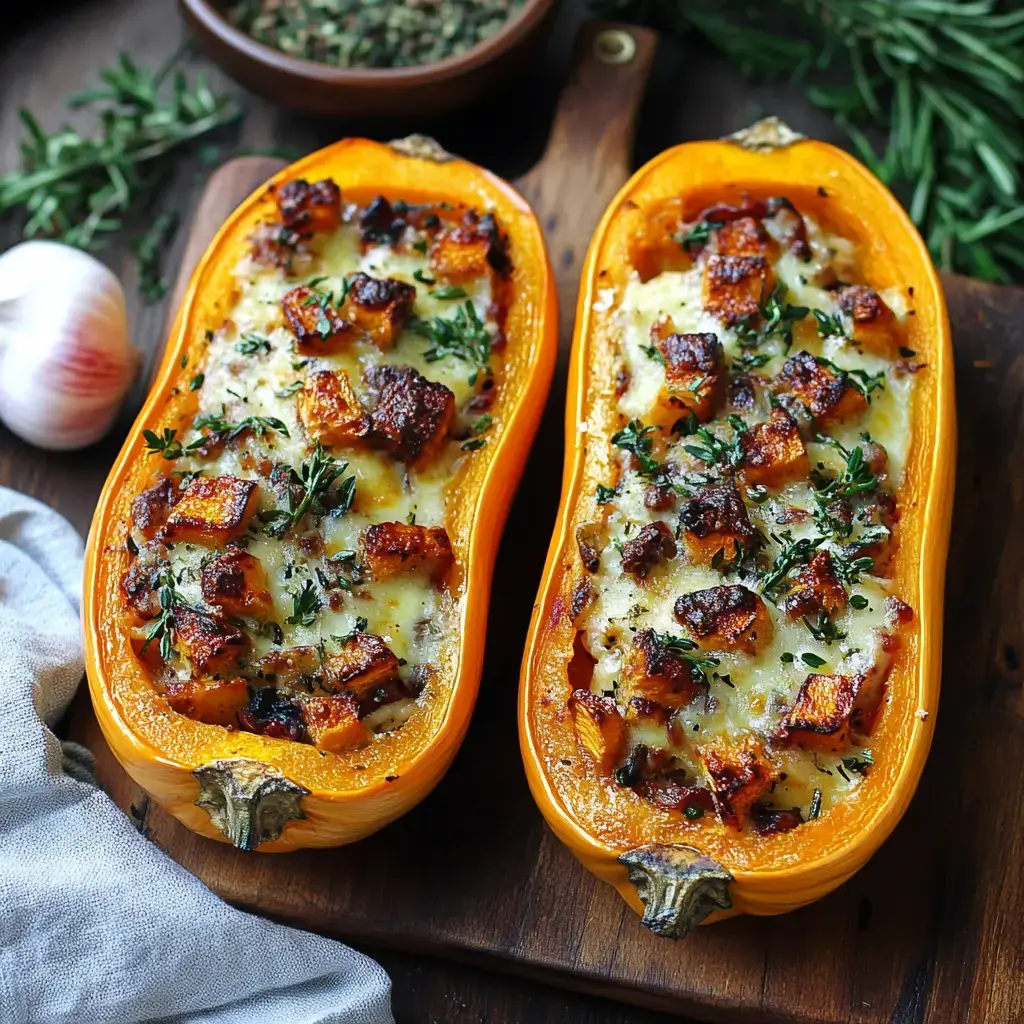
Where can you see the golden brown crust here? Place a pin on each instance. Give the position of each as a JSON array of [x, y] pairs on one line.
[[652, 544], [330, 410], [235, 582], [652, 670], [817, 589], [693, 373], [151, 507], [828, 395], [874, 326], [363, 662], [773, 452], [318, 327], [392, 548], [470, 250], [744, 236], [309, 208], [600, 729], [214, 701], [333, 723], [210, 645], [820, 717], [716, 520], [734, 286], [379, 306], [725, 617], [212, 511], [412, 415], [739, 775]]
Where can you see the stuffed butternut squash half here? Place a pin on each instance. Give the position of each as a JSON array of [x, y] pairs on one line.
[[732, 672], [288, 572]]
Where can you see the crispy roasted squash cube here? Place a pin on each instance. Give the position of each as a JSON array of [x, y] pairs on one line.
[[600, 729], [412, 415], [213, 701], [826, 392], [318, 327], [820, 717], [139, 584], [739, 774], [773, 452], [212, 510], [730, 617], [330, 410], [816, 589], [734, 286], [212, 646], [310, 208], [656, 243], [651, 545], [235, 581], [693, 374], [652, 668], [151, 507], [470, 250], [744, 236], [333, 723], [875, 328], [381, 307], [292, 666], [363, 663], [716, 520], [392, 548]]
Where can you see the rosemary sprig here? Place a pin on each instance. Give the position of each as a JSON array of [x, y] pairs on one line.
[[79, 189], [941, 82]]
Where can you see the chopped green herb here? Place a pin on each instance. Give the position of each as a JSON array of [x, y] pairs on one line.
[[289, 390], [716, 452], [812, 660], [449, 292], [829, 326], [465, 337], [787, 658], [474, 445], [858, 602], [907, 353], [635, 439], [305, 605], [824, 629], [815, 809], [423, 278], [252, 344], [605, 495], [184, 361], [196, 382], [314, 478], [775, 581], [860, 763], [163, 627], [693, 813]]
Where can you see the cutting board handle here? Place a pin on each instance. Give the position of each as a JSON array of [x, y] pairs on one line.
[[588, 154]]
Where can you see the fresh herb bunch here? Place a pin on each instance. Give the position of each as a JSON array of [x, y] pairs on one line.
[[940, 81], [79, 189], [368, 33]]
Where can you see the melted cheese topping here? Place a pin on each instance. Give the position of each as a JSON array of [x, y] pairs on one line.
[[409, 612], [747, 694]]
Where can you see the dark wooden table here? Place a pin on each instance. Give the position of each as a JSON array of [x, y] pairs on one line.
[[45, 57]]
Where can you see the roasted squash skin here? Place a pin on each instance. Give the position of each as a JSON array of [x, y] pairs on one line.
[[622, 838], [335, 798]]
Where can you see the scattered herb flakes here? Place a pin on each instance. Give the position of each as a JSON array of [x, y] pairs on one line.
[[858, 602], [196, 382], [314, 478], [815, 809], [449, 292], [464, 336], [860, 762], [907, 353], [812, 660], [289, 390], [829, 325], [367, 33], [605, 495], [635, 438], [422, 277]]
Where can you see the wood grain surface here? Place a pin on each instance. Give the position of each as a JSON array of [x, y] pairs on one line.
[[932, 930]]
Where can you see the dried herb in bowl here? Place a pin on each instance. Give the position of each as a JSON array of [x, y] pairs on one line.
[[372, 33]]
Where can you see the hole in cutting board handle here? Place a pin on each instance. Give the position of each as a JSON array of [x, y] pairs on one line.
[[614, 46]]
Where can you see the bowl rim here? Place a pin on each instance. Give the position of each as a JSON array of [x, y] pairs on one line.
[[515, 29]]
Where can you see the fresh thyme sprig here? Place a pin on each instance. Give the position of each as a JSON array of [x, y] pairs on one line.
[[79, 189], [163, 628], [939, 82], [775, 581], [716, 452], [685, 649], [314, 478], [464, 336], [635, 438], [305, 605]]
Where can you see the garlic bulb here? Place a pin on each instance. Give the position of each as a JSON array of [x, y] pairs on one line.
[[65, 358]]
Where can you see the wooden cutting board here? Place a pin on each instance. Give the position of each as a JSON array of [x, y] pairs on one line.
[[932, 930]]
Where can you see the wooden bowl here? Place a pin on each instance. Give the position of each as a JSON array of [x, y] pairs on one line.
[[316, 88]]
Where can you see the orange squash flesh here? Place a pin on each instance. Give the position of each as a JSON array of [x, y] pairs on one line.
[[340, 798], [601, 822]]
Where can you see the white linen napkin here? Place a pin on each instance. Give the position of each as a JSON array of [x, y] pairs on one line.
[[97, 924]]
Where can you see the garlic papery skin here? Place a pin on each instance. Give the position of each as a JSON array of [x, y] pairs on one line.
[[65, 358]]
